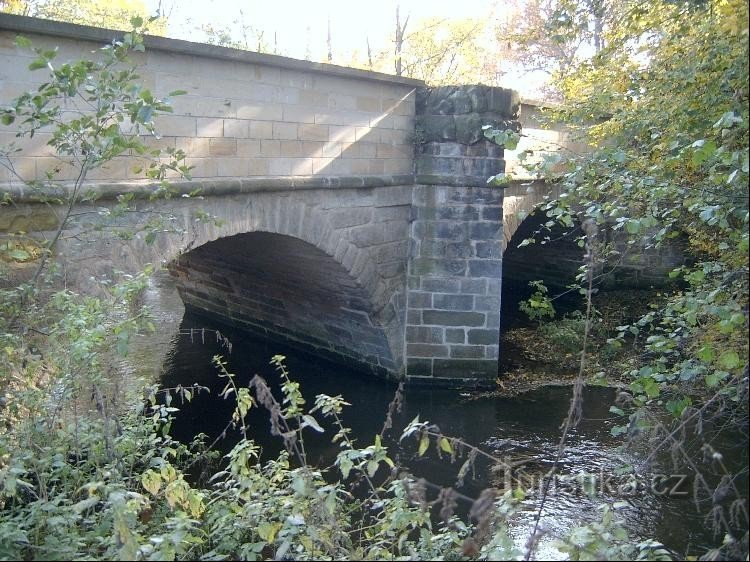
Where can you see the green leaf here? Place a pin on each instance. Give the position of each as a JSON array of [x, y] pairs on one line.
[[18, 254], [706, 353], [618, 430], [705, 150], [37, 64], [445, 445], [633, 226], [23, 42], [424, 443], [729, 360], [712, 380], [310, 421]]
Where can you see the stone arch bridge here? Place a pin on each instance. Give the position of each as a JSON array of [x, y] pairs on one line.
[[352, 213]]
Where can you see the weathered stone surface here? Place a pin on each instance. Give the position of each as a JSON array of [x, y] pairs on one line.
[[468, 128], [457, 234], [436, 127], [452, 318], [465, 368], [482, 337], [28, 218]]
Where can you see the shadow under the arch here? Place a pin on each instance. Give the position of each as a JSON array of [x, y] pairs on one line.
[[283, 289]]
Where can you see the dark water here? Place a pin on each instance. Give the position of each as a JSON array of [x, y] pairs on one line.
[[525, 427]]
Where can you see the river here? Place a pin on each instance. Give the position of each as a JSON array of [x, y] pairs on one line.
[[526, 427]]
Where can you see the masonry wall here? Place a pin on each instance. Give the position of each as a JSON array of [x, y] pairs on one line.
[[455, 267], [244, 114]]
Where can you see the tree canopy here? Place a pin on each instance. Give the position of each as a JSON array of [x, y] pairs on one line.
[[111, 14]]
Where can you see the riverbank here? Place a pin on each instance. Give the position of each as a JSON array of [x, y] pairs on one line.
[[549, 353]]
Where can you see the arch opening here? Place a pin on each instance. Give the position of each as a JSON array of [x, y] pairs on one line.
[[282, 288], [555, 262]]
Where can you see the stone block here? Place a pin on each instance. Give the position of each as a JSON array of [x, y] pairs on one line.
[[465, 368], [424, 334], [222, 147], [419, 299], [298, 114], [504, 102], [492, 213], [438, 285], [467, 351], [468, 128], [479, 96], [430, 249], [236, 128], [260, 112], [426, 350], [231, 167], [483, 336], [452, 318], [366, 103], [453, 302], [493, 320], [492, 249], [459, 250], [418, 367], [487, 303], [474, 286], [449, 230], [210, 127], [458, 212], [284, 131], [455, 335], [437, 267], [485, 268], [436, 127], [261, 130], [483, 167], [315, 132], [176, 126], [485, 231], [270, 148]]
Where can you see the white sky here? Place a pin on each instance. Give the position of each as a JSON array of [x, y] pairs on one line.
[[303, 24], [299, 22]]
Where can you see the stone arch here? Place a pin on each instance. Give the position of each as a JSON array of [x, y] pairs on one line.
[[357, 323], [519, 200]]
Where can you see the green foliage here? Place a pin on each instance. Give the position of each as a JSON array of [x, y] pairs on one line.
[[663, 106], [661, 172], [539, 305], [96, 112]]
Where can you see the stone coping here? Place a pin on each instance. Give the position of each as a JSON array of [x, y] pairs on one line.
[[454, 181], [226, 186], [24, 24]]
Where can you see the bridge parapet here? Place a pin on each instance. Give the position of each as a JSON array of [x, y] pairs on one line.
[[244, 114]]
